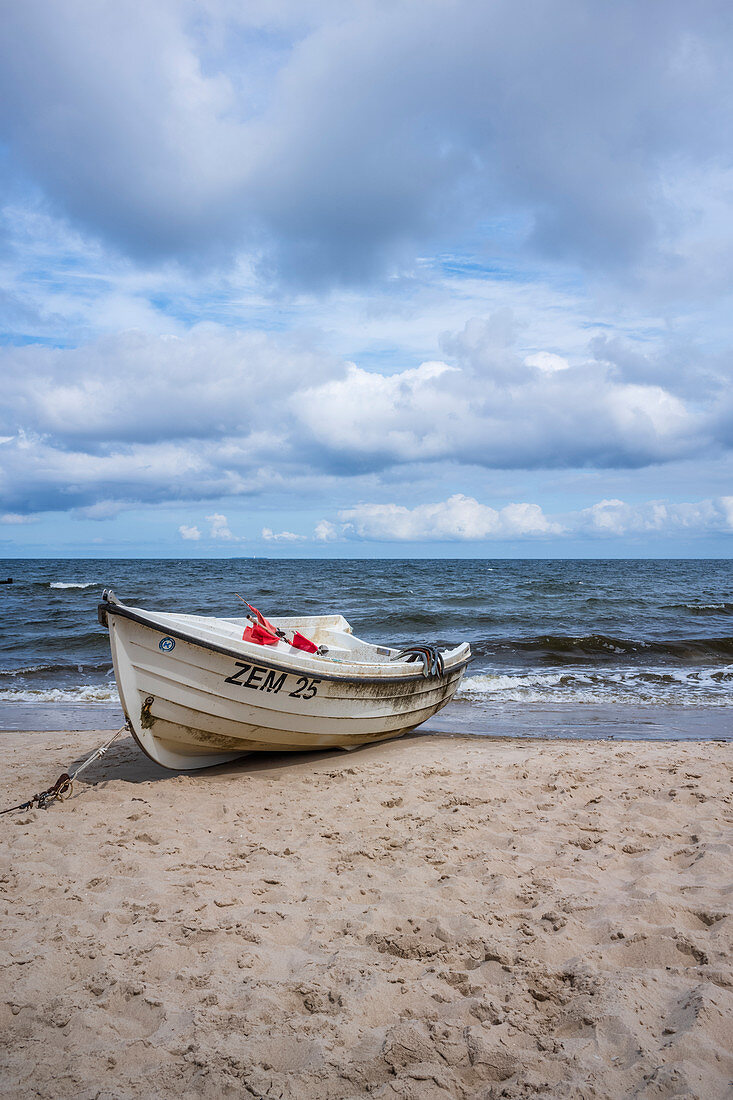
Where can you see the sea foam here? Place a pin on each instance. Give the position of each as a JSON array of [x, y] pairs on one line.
[[73, 584], [648, 687], [90, 693]]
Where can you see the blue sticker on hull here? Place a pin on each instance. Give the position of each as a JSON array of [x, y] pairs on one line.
[[166, 644]]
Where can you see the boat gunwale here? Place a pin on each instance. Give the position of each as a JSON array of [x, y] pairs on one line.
[[106, 608]]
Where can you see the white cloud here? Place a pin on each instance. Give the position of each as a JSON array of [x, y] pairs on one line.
[[190, 533], [495, 411], [237, 415], [325, 531], [464, 519], [15, 519], [547, 361], [207, 382], [615, 518], [400, 415], [100, 510], [38, 470], [459, 518], [220, 527], [281, 536]]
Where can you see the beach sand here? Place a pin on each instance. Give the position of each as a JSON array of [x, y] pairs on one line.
[[432, 917]]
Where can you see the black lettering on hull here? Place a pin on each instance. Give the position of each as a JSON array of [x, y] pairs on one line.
[[267, 679], [310, 687], [235, 679], [273, 682]]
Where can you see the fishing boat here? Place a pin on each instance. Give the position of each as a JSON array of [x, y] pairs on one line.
[[199, 691]]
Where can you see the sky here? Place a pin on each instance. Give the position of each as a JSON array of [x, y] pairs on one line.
[[415, 278]]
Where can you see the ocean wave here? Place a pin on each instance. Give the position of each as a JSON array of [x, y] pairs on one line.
[[26, 670], [701, 608], [563, 649], [69, 667], [660, 686], [87, 694], [73, 584], [86, 645]]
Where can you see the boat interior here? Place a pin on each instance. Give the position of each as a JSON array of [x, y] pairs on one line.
[[331, 631]]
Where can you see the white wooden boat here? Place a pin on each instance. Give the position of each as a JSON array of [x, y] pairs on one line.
[[195, 693]]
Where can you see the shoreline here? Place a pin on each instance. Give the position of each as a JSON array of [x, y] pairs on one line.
[[522, 721], [427, 917]]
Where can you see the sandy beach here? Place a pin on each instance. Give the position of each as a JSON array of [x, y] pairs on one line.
[[431, 917]]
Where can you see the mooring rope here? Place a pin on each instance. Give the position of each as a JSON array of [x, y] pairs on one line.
[[63, 787], [429, 655]]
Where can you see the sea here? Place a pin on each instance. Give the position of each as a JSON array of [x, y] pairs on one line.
[[631, 649]]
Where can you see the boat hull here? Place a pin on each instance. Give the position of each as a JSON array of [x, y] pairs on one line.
[[190, 705]]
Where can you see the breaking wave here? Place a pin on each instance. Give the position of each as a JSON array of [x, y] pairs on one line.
[[27, 670], [90, 693], [73, 584], [651, 687]]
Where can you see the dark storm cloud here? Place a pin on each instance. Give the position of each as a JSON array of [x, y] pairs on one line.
[[179, 130]]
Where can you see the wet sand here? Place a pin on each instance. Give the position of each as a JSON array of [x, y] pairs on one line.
[[432, 917]]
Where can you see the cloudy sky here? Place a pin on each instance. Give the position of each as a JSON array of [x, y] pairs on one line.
[[306, 278]]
